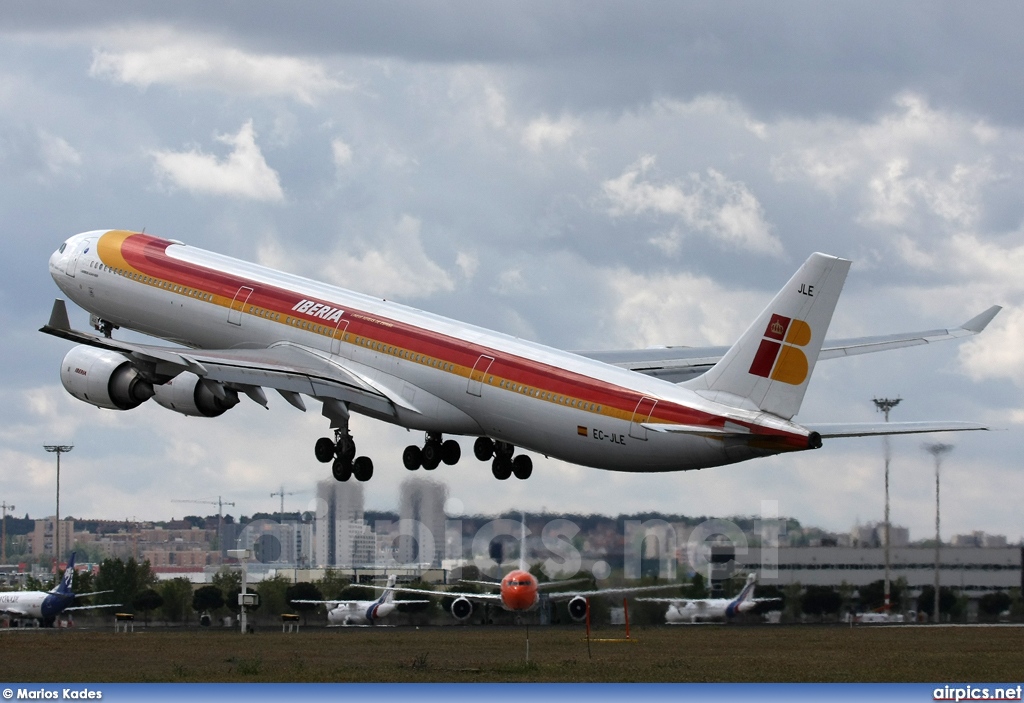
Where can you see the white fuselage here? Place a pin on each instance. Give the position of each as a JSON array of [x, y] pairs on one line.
[[452, 377], [37, 605]]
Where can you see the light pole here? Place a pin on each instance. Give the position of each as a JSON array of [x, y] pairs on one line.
[[937, 450], [57, 449], [884, 405]]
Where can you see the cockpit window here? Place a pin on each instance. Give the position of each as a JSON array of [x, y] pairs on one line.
[[63, 247]]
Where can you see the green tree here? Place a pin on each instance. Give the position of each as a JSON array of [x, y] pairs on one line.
[[229, 581], [332, 584], [872, 596], [992, 604], [177, 595], [273, 598], [698, 588], [303, 590], [146, 601], [947, 601], [821, 601], [207, 599], [125, 579]]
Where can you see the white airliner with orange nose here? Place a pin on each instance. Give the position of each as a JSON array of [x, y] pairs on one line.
[[519, 591], [240, 328]]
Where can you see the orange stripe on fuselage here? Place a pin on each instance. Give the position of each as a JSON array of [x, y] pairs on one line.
[[147, 255]]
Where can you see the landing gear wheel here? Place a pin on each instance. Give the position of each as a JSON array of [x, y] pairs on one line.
[[451, 452], [362, 468], [412, 457], [346, 449], [522, 467], [501, 468], [324, 450], [431, 455], [342, 470], [483, 448]]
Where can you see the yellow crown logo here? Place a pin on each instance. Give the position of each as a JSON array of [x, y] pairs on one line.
[[777, 328]]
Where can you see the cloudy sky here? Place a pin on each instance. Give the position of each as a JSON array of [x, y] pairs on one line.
[[587, 175]]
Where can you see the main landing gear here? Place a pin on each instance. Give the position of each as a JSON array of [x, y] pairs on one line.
[[342, 450], [432, 454], [504, 464]]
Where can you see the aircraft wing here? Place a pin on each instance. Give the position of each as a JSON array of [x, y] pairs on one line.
[[93, 593], [482, 597], [870, 429], [8, 610], [676, 364], [91, 607], [625, 591], [289, 368]]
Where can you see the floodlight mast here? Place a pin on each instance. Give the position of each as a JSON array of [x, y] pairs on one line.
[[938, 450], [884, 405], [57, 449]]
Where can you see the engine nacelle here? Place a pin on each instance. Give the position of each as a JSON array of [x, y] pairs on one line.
[[106, 379], [461, 608], [190, 395], [578, 608]]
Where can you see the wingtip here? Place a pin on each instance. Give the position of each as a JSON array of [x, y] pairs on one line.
[[58, 317], [979, 322]]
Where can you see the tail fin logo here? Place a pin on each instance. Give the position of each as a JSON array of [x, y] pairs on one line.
[[778, 357]]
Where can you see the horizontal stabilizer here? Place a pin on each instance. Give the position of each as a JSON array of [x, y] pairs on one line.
[[696, 430], [870, 429]]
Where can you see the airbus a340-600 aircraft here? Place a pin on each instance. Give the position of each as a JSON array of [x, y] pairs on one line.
[[242, 328]]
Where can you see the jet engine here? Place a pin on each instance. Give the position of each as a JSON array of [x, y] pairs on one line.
[[106, 379], [461, 608], [578, 608], [190, 395]]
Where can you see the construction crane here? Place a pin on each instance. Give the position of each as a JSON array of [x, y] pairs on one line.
[[220, 503], [284, 493]]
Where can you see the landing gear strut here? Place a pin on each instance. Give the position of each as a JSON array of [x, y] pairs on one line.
[[342, 451], [433, 453], [503, 465]]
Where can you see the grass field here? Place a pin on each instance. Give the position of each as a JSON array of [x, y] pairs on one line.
[[479, 654]]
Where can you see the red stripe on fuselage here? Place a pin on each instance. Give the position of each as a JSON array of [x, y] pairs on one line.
[[149, 255]]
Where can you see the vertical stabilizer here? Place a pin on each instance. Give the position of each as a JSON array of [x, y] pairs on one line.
[[389, 590], [64, 586], [772, 362]]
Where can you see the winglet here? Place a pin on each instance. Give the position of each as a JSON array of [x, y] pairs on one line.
[[58, 317], [979, 322]]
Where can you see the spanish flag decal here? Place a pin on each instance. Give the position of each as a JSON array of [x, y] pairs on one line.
[[778, 357]]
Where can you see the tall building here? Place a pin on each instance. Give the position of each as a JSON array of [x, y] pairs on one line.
[[422, 501], [41, 538], [339, 521]]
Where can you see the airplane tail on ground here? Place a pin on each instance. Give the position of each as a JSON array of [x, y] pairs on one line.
[[389, 590], [745, 596], [771, 364], [64, 586]]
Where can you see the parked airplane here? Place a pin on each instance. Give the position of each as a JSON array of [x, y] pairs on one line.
[[362, 612], [692, 610], [44, 606], [519, 591], [243, 328]]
